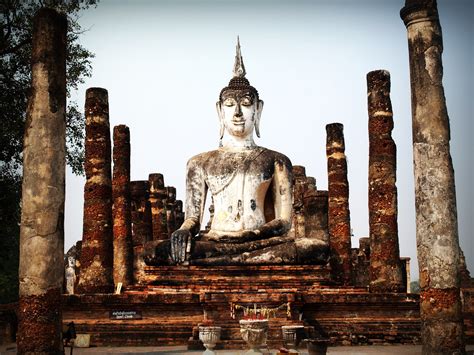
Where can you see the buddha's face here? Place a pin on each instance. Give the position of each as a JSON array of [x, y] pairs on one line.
[[239, 111]]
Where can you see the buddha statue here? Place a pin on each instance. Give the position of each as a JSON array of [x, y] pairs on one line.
[[251, 190]]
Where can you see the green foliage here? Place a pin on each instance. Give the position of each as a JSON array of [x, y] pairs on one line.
[[15, 51]]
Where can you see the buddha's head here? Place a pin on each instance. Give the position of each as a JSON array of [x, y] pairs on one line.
[[239, 107]]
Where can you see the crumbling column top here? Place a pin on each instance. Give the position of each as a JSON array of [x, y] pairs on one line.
[[418, 11], [138, 187], [335, 132], [299, 171], [157, 182], [97, 102], [378, 93]]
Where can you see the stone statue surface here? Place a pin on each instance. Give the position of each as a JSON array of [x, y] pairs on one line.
[[251, 190], [70, 275]]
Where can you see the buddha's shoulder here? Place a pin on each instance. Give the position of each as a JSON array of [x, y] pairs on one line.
[[219, 154], [269, 154], [201, 158]]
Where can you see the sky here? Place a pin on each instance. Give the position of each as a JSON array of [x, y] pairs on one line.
[[164, 63]]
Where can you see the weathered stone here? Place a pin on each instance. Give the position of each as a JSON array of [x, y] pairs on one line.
[[179, 213], [385, 265], [338, 204], [97, 248], [75, 253], [141, 226], [122, 229], [211, 216], [464, 274], [157, 197], [361, 263], [435, 197], [309, 222], [316, 212], [42, 216], [406, 277], [171, 209], [299, 187], [70, 275]]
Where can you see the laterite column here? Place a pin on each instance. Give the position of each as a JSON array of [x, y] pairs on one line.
[[123, 252], [299, 187], [170, 209], [141, 226], [157, 198], [338, 205], [97, 249], [316, 212], [385, 266], [42, 215], [435, 196]]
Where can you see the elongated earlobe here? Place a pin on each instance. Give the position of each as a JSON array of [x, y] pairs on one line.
[[257, 117], [221, 121]]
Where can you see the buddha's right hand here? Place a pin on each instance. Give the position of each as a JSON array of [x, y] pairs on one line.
[[180, 245]]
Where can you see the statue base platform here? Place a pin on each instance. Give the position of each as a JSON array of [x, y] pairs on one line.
[[236, 278], [168, 310]]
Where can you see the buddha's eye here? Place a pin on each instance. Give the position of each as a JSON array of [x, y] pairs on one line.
[[229, 102], [246, 101]]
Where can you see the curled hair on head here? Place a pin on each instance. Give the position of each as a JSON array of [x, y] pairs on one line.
[[239, 83]]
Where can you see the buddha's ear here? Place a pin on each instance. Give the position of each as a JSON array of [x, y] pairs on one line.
[[258, 113], [220, 113]]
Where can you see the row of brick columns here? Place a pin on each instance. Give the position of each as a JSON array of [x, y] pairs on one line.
[[119, 215], [385, 270], [439, 254], [309, 207]]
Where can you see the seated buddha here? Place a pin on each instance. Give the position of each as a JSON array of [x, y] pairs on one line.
[[251, 189]]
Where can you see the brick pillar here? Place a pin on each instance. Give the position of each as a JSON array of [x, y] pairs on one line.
[[141, 226], [157, 198], [338, 205], [385, 265], [315, 212], [170, 209], [361, 263], [42, 214], [123, 251], [435, 197], [299, 186], [97, 249]]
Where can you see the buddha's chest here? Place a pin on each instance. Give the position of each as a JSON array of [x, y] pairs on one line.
[[239, 200], [238, 175]]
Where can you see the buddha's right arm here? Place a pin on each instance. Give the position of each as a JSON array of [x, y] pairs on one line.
[[196, 190], [192, 225]]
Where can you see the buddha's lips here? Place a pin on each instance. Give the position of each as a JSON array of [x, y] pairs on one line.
[[240, 123]]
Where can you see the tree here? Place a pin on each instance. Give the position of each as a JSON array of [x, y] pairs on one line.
[[15, 52]]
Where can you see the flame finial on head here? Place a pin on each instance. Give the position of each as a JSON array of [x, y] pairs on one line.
[[239, 68], [239, 81]]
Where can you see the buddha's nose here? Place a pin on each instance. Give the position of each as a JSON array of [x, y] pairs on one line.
[[238, 111]]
